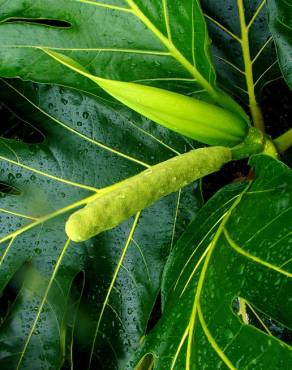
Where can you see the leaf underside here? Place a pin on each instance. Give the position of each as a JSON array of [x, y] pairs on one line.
[[244, 65]]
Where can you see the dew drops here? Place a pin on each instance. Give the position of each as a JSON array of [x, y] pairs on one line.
[[228, 334], [11, 177]]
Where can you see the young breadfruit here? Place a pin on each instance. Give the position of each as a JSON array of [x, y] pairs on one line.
[[112, 206]]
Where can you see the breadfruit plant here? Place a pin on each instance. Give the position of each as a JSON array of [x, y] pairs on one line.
[[145, 184]]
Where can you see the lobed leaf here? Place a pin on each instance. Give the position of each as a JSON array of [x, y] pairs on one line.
[[243, 49], [280, 15], [154, 42], [88, 144], [231, 250]]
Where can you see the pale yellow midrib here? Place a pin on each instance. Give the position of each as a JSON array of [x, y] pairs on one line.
[[103, 5], [254, 258], [173, 50], [213, 342], [43, 301], [83, 136], [248, 67], [248, 62], [113, 281], [202, 276]]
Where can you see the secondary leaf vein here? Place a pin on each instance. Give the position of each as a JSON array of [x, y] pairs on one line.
[[253, 257]]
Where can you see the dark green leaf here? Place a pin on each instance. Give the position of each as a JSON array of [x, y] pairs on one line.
[[153, 42], [280, 14], [238, 246], [89, 143], [243, 48], [147, 41]]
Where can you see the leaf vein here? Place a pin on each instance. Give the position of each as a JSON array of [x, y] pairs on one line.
[[114, 151], [254, 258], [103, 5], [55, 270], [113, 281], [257, 12], [223, 28], [212, 341], [17, 214]]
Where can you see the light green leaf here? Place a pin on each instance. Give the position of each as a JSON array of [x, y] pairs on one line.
[[233, 249]]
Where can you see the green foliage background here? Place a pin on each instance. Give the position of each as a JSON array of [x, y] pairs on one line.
[[63, 301]]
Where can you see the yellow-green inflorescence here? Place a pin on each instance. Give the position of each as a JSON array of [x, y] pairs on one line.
[[208, 123], [130, 196]]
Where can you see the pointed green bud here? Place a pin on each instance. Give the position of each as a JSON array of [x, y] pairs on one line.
[[207, 123]]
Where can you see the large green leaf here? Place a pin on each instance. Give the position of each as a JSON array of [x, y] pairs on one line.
[[156, 42], [238, 246], [243, 48], [147, 41], [280, 12], [89, 143]]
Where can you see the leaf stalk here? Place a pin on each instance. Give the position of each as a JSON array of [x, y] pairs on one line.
[[255, 110], [253, 143], [284, 142]]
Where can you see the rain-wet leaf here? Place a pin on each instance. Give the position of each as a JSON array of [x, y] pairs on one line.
[[242, 46], [91, 142], [149, 41], [280, 15], [88, 143], [239, 246]]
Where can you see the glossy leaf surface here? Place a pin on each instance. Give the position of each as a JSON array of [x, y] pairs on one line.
[[157, 42], [242, 46], [88, 144], [232, 249], [280, 24]]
